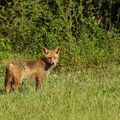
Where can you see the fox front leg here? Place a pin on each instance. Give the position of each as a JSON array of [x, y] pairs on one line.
[[39, 81]]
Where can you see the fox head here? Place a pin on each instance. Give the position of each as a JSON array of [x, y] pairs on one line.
[[51, 56]]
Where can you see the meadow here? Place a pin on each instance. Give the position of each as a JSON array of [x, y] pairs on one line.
[[88, 94]]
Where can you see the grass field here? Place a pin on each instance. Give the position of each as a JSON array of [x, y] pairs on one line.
[[92, 94]]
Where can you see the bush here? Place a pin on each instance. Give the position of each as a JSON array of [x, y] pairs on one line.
[[84, 39]]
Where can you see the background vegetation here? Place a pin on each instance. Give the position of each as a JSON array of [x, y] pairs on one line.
[[87, 31]]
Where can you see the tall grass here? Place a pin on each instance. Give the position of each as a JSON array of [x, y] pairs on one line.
[[92, 94]]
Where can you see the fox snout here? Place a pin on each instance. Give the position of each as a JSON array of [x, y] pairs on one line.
[[51, 61]]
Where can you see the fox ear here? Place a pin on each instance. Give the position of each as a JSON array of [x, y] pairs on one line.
[[45, 50], [57, 50]]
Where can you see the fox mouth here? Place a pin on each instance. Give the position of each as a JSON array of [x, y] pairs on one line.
[[50, 63]]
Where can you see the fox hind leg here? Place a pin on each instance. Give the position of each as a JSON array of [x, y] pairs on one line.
[[15, 84], [8, 83]]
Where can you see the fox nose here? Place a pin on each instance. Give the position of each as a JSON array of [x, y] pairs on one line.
[[51, 61]]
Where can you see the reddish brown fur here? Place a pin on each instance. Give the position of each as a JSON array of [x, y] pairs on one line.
[[17, 70]]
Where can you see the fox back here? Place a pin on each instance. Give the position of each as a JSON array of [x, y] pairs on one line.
[[16, 71]]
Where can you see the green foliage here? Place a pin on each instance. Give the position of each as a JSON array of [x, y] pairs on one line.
[[27, 26], [5, 46]]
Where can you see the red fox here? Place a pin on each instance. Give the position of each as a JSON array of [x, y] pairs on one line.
[[18, 70]]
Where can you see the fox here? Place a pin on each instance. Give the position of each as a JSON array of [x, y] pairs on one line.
[[17, 70]]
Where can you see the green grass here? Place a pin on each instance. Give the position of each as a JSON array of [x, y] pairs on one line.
[[92, 94]]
